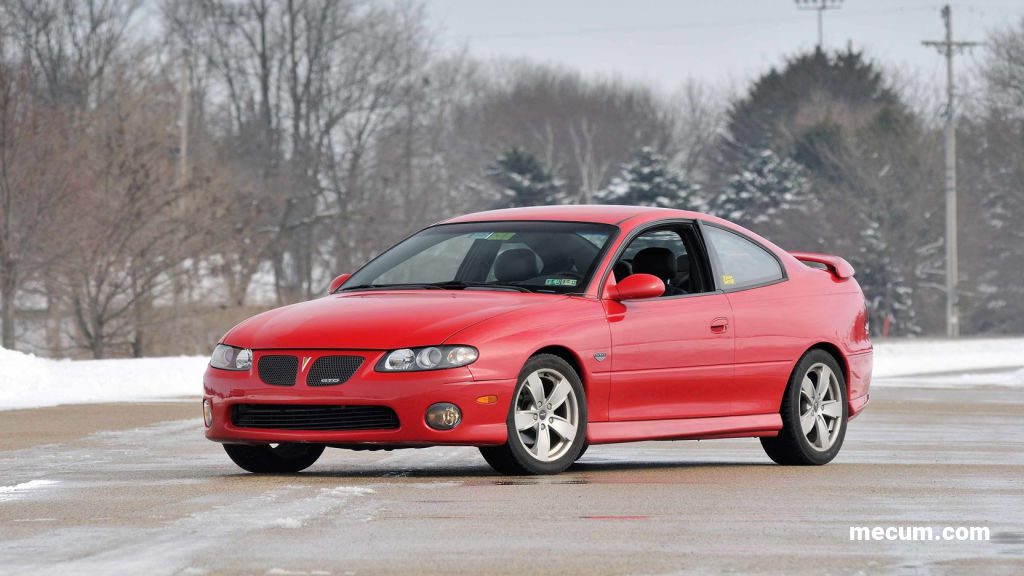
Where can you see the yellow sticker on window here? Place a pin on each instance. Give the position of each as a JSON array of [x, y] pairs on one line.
[[728, 280]]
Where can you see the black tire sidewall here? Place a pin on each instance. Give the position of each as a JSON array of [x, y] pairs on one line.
[[515, 446], [262, 459], [793, 418]]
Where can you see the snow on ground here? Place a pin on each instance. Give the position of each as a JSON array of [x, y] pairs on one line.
[[28, 381], [926, 356]]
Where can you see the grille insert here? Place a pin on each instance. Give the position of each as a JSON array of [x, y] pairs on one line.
[[313, 417], [278, 370], [332, 370]]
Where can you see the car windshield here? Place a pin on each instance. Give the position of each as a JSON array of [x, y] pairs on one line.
[[552, 257]]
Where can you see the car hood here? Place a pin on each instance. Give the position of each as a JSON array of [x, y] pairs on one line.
[[378, 320]]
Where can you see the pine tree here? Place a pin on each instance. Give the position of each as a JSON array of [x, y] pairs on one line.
[[647, 180], [764, 192], [887, 294], [521, 179]]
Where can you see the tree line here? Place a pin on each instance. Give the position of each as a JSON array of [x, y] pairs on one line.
[[169, 168]]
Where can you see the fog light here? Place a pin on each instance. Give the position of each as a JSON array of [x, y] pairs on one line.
[[443, 416], [207, 413]]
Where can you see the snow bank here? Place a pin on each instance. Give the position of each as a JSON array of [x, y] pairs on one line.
[[27, 381], [911, 357]]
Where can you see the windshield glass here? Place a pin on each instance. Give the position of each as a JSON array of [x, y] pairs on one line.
[[553, 257]]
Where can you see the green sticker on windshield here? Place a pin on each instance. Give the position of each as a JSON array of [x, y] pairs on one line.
[[560, 282]]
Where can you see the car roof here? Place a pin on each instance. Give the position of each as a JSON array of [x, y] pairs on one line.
[[600, 214]]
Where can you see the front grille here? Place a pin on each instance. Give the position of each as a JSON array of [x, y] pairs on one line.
[[278, 370], [313, 417], [332, 370]]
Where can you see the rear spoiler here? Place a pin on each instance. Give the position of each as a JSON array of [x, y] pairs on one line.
[[839, 267]]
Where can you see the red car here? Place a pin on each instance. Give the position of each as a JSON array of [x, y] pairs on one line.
[[534, 333]]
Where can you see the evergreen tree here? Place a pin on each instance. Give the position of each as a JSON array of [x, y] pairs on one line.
[[521, 179], [765, 192], [887, 294], [647, 180]]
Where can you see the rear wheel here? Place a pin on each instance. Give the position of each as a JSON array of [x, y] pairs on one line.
[[814, 413], [547, 421], [274, 459]]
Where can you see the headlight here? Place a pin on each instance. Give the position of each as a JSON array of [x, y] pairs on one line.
[[230, 358], [427, 358]]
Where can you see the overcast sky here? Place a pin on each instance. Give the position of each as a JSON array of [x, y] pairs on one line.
[[724, 42]]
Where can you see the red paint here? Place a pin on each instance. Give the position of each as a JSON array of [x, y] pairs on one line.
[[637, 287], [708, 365]]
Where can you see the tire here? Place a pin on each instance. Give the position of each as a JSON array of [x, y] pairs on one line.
[[525, 452], [582, 451], [814, 413], [280, 459]]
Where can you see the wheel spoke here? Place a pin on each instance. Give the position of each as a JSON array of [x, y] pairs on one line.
[[824, 380], [807, 421], [832, 408], [558, 394], [543, 445], [536, 387], [563, 428], [822, 431], [526, 419], [807, 389]]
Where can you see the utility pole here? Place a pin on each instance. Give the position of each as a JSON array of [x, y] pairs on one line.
[[820, 6], [947, 48]]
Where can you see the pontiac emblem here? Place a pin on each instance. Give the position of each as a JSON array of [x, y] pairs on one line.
[[600, 356], [305, 362]]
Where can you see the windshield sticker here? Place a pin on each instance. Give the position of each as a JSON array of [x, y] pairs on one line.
[[560, 282], [728, 280]]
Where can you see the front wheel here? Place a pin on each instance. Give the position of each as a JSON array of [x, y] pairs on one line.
[[547, 421], [274, 459], [814, 413]]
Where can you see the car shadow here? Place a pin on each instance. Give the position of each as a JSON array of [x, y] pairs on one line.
[[580, 473]]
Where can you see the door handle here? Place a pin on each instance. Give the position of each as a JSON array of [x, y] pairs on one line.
[[719, 325]]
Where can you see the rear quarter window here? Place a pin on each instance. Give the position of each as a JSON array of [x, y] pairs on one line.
[[742, 263]]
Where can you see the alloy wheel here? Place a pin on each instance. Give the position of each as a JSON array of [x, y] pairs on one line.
[[547, 415], [821, 409]]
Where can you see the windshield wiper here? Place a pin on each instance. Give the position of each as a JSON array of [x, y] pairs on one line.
[[391, 287], [460, 285]]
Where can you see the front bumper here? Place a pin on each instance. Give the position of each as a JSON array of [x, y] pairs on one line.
[[408, 394]]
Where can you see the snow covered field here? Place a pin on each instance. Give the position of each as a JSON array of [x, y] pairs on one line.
[[28, 381]]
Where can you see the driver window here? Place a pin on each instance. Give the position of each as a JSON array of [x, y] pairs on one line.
[[665, 253]]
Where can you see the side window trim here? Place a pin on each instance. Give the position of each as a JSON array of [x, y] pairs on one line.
[[651, 226], [716, 266]]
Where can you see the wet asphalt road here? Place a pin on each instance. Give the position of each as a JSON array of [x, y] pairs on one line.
[[106, 494]]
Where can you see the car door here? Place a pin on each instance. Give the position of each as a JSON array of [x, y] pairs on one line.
[[765, 313], [670, 354]]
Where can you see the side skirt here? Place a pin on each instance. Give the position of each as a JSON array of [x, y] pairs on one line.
[[682, 429]]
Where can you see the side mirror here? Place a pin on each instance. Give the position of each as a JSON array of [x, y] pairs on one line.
[[637, 287], [337, 282]]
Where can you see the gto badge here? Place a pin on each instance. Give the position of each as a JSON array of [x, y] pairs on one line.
[[330, 380], [305, 362], [600, 356]]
